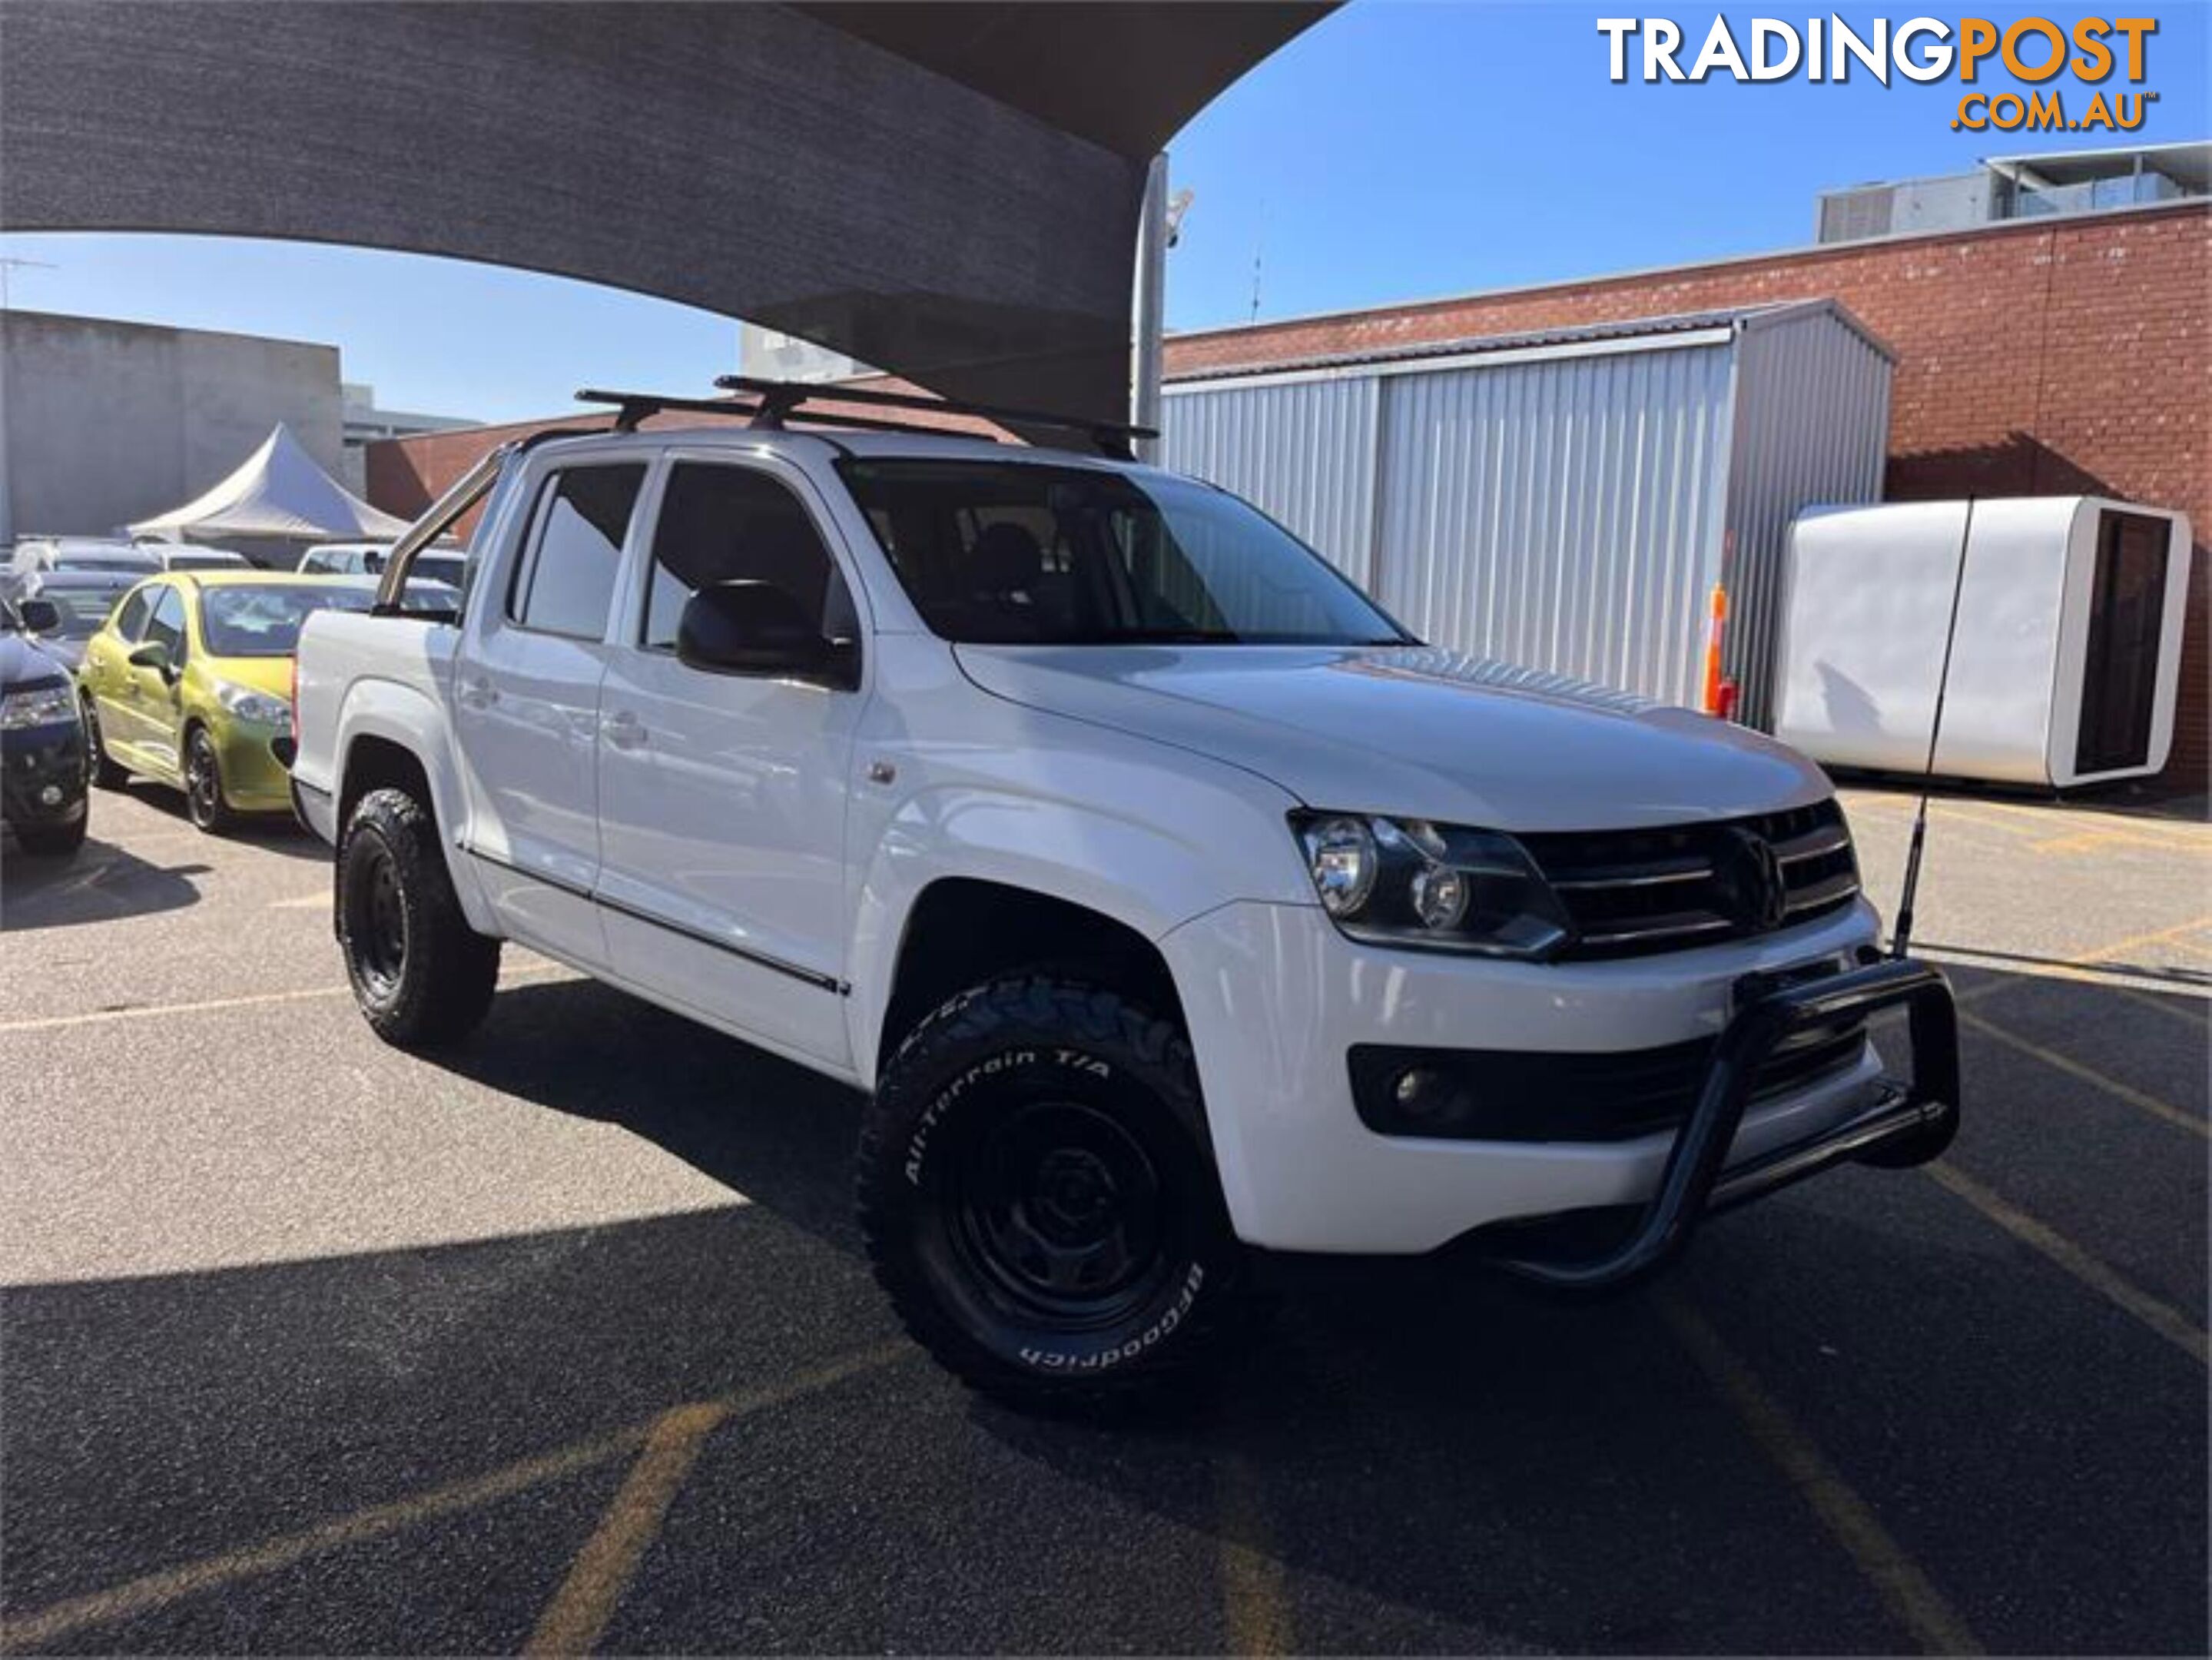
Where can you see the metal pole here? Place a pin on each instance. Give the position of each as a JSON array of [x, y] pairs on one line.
[[1148, 320]]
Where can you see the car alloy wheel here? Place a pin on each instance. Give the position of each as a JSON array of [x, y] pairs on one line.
[[203, 782]]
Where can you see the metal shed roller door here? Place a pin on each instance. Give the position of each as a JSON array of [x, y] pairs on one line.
[[1565, 513], [1303, 452]]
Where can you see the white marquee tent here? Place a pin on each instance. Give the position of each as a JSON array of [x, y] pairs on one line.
[[279, 491]]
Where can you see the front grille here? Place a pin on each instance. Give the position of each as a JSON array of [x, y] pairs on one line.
[[1630, 893], [1511, 1095]]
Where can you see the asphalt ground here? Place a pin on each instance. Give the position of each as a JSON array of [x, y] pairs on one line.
[[566, 1343]]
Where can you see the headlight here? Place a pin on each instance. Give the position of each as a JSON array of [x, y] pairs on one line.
[[258, 707], [1407, 882], [38, 706]]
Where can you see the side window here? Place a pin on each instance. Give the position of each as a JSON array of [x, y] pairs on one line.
[[721, 523], [167, 625], [130, 616], [566, 576]]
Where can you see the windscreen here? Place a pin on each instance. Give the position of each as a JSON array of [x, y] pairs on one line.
[[1015, 553], [265, 621], [202, 562], [82, 610]]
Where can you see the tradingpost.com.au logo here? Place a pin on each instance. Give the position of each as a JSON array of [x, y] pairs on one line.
[[2090, 51]]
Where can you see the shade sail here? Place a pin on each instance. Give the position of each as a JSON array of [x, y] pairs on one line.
[[949, 191], [279, 490]]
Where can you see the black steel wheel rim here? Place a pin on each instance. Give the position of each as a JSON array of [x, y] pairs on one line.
[[1061, 1216], [203, 782], [376, 919]]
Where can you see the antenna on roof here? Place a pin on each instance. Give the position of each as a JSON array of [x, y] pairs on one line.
[[1901, 939]]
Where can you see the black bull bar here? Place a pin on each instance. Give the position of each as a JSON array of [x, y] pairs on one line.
[[1911, 1121]]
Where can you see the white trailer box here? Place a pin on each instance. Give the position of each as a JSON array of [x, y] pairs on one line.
[[2068, 651]]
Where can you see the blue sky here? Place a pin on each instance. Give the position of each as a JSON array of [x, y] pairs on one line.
[[1397, 150]]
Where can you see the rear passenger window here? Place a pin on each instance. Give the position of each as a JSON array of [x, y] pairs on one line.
[[130, 618], [566, 577], [732, 524], [167, 626]]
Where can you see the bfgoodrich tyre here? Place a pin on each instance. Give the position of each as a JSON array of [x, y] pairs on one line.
[[1038, 1200], [420, 974]]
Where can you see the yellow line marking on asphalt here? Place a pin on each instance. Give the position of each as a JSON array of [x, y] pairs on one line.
[[2190, 999], [149, 1011], [158, 1591], [2091, 840], [2183, 835], [301, 903], [579, 1612], [2067, 1064], [602, 1572], [251, 999], [2168, 1323], [2157, 937], [1908, 1593], [1255, 1608]]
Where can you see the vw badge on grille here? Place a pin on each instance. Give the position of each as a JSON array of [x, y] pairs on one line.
[[1751, 875]]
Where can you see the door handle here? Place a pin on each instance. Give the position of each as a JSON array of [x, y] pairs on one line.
[[624, 730], [477, 691]]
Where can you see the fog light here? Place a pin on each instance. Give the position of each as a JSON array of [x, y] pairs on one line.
[[51, 796], [1427, 1097]]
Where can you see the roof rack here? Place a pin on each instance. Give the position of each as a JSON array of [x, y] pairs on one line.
[[782, 398], [632, 407], [769, 404]]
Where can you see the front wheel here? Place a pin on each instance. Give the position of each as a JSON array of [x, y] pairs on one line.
[[419, 973], [203, 798], [54, 841], [1038, 1200]]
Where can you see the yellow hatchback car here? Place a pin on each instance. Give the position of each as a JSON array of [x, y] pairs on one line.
[[189, 682]]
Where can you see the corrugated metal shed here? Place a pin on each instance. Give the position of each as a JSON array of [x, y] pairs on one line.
[[1563, 499]]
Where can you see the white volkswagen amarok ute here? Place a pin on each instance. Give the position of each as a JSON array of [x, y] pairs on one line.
[[1169, 903]]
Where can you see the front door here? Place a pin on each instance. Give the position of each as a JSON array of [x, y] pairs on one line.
[[153, 696], [722, 795], [106, 674], [526, 707]]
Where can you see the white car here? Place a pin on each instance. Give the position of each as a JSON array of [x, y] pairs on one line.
[[1171, 904], [440, 564], [191, 556]]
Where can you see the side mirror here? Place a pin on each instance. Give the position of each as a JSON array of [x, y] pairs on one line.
[[757, 628], [152, 654], [41, 616]]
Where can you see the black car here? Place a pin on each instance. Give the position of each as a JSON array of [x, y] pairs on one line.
[[43, 772]]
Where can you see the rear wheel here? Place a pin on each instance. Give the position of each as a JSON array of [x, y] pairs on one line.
[[420, 974], [105, 775], [202, 769], [1038, 1200]]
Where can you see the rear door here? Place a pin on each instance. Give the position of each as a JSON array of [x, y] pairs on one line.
[[526, 706], [722, 796], [105, 674]]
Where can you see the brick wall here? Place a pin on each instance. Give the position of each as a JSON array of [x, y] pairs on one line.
[[2051, 357]]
